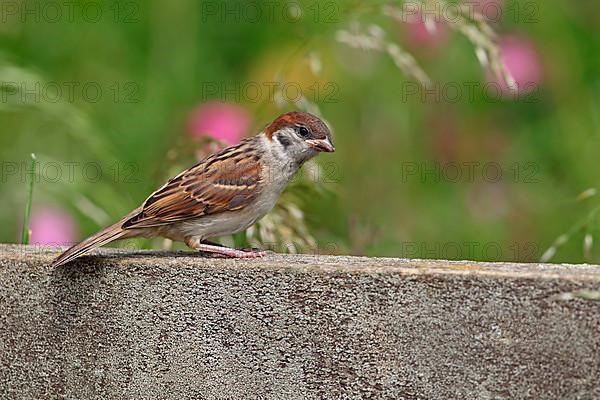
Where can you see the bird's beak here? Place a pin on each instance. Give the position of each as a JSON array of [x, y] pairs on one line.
[[321, 145]]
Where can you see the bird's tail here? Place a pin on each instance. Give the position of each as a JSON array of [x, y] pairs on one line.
[[101, 238]]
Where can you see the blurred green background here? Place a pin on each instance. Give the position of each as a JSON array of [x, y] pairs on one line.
[[107, 95]]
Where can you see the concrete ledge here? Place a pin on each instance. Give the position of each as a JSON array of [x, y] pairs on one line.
[[150, 325]]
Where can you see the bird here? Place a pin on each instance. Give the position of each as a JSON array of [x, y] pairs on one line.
[[223, 193]]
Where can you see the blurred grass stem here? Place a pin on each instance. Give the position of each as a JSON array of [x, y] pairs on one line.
[[30, 180]]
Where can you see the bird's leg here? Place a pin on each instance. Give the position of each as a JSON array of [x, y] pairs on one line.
[[246, 249], [203, 246]]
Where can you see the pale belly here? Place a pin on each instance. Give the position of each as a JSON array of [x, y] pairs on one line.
[[221, 224]]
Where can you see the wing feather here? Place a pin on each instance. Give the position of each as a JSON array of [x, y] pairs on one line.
[[227, 181]]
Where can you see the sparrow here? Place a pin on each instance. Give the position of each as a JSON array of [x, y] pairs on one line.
[[222, 194]]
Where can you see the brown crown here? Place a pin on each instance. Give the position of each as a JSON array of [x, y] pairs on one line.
[[314, 124]]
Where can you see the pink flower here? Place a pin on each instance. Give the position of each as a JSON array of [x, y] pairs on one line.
[[421, 33], [52, 226], [222, 121], [522, 60]]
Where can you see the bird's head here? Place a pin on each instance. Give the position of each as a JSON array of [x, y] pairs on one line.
[[300, 135]]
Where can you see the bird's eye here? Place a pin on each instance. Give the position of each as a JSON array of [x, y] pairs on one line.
[[304, 132]]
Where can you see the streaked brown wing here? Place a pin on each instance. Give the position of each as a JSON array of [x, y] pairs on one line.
[[224, 182]]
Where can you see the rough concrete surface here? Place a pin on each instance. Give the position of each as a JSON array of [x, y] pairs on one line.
[[152, 325]]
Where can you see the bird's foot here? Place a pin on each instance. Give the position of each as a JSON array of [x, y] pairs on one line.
[[222, 251]]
